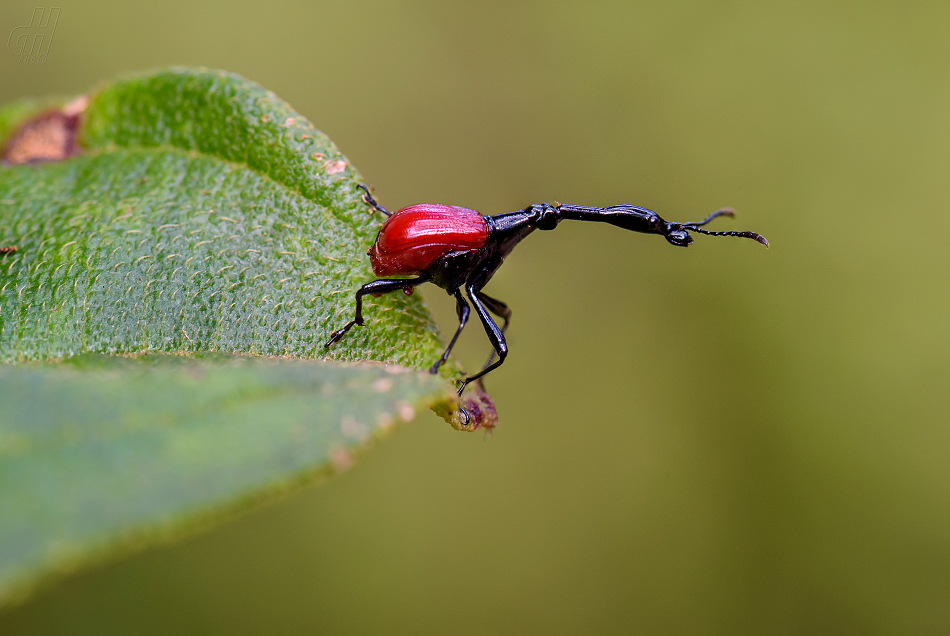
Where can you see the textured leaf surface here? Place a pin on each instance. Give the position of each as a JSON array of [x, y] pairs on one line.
[[103, 454], [204, 215]]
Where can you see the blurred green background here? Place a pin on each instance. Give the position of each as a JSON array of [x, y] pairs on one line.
[[719, 440]]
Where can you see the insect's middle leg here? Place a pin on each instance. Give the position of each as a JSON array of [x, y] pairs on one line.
[[461, 308], [382, 286]]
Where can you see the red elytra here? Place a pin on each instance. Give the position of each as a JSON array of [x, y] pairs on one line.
[[414, 238]]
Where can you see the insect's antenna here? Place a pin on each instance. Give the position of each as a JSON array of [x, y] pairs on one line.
[[752, 235], [694, 226], [717, 213], [369, 200]]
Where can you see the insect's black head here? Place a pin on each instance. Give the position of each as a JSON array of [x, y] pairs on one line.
[[676, 235]]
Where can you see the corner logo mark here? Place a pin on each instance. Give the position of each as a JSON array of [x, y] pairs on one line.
[[32, 50]]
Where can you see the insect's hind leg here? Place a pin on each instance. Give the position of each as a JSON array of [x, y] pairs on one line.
[[382, 286]]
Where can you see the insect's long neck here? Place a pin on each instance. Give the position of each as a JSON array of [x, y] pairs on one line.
[[629, 217], [509, 229], [514, 226]]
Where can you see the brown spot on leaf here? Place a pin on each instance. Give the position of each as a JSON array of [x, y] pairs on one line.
[[48, 136], [333, 167], [405, 411], [385, 420], [353, 429], [383, 385], [340, 459]]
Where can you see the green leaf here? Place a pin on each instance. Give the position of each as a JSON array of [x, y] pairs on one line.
[[204, 215], [103, 455]]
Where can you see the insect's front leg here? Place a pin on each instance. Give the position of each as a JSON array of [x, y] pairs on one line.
[[382, 286]]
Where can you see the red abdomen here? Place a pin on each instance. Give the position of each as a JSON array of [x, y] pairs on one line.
[[414, 238]]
